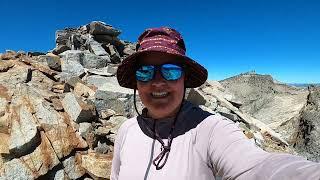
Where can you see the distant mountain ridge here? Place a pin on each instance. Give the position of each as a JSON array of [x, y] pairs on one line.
[[268, 76], [303, 85]]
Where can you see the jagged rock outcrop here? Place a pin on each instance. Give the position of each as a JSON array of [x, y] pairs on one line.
[[272, 103], [57, 120], [307, 141], [284, 109]]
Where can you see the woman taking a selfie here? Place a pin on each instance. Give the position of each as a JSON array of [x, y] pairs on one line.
[[171, 138]]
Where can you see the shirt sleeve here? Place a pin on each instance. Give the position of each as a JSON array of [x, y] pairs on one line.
[[232, 156]]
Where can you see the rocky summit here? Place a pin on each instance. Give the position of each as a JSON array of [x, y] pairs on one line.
[[60, 110]]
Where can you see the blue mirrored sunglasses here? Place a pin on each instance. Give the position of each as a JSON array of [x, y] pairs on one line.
[[170, 72]]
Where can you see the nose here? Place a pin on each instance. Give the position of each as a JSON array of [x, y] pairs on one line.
[[158, 80]]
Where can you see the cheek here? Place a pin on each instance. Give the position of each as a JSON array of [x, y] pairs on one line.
[[179, 89], [143, 91]]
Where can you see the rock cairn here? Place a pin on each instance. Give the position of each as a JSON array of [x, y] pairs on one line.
[[60, 111]]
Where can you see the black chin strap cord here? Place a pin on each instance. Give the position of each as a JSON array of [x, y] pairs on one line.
[[134, 102], [165, 149]]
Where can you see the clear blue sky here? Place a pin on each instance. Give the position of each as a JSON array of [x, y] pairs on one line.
[[277, 37]]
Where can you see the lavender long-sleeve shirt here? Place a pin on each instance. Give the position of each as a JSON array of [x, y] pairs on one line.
[[204, 146]]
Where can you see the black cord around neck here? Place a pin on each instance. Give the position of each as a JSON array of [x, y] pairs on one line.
[[134, 102], [165, 149]]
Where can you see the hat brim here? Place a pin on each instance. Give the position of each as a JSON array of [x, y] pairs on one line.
[[195, 74]]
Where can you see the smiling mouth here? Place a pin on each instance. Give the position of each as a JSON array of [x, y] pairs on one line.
[[159, 94]]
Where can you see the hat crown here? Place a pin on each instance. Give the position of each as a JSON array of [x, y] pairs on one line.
[[166, 37]]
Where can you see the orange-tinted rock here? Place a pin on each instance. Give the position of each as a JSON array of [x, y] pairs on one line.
[[64, 139], [42, 68], [24, 134], [82, 90], [5, 66], [4, 143], [33, 165], [4, 92], [72, 166], [9, 55], [57, 105], [97, 165]]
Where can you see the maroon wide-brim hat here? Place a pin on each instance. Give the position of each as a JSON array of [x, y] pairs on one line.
[[164, 40]]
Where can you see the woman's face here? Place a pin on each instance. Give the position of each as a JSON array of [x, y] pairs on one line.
[[162, 98]]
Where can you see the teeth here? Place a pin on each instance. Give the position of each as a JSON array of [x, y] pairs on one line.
[[159, 94]]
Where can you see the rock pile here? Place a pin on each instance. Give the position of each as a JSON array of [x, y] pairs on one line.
[[60, 111]]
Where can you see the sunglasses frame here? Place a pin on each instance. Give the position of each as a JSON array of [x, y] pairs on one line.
[[157, 68]]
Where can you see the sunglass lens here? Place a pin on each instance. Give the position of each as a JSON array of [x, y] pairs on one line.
[[171, 72], [145, 73]]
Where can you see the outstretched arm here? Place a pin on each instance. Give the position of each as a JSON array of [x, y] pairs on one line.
[[232, 156]]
